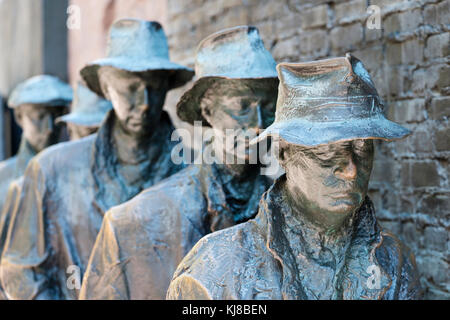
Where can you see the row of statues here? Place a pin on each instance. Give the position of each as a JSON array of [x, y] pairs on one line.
[[140, 226]]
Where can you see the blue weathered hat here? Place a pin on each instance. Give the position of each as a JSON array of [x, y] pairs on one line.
[[234, 54], [137, 46], [88, 109], [328, 101], [43, 89]]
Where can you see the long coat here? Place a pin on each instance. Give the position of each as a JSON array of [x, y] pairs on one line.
[[12, 200], [67, 189], [14, 168], [143, 240], [273, 257]]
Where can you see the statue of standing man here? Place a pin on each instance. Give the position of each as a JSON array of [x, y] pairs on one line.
[[36, 102], [143, 240], [68, 188], [87, 113], [316, 235]]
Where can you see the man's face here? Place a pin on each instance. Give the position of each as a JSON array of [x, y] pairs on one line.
[[137, 100], [332, 179], [242, 108], [78, 131], [38, 124]]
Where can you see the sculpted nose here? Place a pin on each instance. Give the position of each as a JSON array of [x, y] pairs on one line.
[[144, 100], [50, 122], [347, 172], [256, 121], [260, 118]]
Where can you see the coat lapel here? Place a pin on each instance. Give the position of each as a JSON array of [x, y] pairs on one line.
[[362, 277]]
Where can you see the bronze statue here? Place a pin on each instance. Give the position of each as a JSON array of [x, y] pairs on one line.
[[143, 240], [68, 188], [87, 113], [316, 235], [36, 102]]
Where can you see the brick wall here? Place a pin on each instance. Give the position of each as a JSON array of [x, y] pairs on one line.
[[408, 59]]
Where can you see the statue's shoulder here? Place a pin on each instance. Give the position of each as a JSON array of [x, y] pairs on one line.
[[398, 260], [7, 167], [66, 154], [233, 241], [168, 195], [16, 184], [393, 247], [179, 184], [223, 259]]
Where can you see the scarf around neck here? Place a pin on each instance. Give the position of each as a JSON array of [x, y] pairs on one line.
[[358, 249], [111, 188], [220, 211]]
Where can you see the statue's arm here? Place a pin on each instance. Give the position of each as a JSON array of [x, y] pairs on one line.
[[186, 287], [105, 277], [25, 249], [11, 202], [409, 285]]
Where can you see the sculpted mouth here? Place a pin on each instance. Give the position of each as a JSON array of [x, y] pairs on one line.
[[135, 122], [344, 195]]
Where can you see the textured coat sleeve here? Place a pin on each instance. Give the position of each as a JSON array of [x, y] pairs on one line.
[[186, 287], [25, 249], [10, 205], [408, 278], [104, 278], [399, 261]]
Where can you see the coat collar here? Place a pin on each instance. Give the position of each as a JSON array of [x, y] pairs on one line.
[[351, 280], [220, 212], [24, 155]]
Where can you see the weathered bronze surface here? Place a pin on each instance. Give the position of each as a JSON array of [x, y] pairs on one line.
[[316, 235], [68, 188], [36, 102], [143, 240], [86, 113]]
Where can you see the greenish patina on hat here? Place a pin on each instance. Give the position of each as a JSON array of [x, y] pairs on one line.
[[43, 90], [137, 46], [328, 101], [231, 55], [88, 109]]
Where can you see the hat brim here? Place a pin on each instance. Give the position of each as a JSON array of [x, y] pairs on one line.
[[41, 90], [43, 101], [91, 120], [178, 74], [311, 134], [188, 107]]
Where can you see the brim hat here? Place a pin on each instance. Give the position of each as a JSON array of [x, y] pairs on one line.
[[328, 101], [231, 55], [88, 109], [140, 47], [43, 90]]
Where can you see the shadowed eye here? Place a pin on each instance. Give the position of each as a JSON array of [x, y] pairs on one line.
[[325, 156], [240, 110], [361, 146], [245, 104], [134, 87], [323, 153]]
